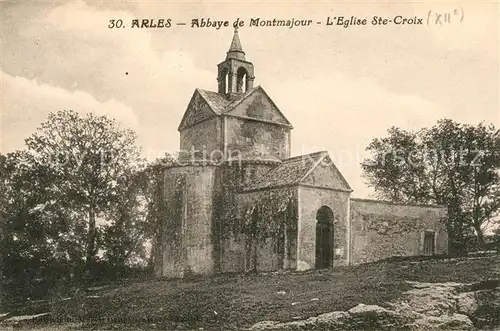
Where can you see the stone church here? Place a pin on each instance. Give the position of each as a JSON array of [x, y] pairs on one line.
[[236, 201]]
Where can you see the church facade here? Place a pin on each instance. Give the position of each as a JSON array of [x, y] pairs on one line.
[[236, 201]]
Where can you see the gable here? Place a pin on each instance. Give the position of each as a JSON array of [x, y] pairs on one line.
[[197, 110], [325, 174], [258, 105]]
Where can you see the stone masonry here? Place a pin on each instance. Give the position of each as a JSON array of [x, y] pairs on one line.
[[237, 201]]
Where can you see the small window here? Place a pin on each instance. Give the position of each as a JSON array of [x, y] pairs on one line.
[[429, 243]]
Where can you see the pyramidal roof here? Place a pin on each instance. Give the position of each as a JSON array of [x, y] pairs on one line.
[[235, 50]]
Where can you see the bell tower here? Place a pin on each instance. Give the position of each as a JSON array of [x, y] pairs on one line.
[[235, 73]]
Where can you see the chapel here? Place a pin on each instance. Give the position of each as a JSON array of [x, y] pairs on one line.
[[237, 201]]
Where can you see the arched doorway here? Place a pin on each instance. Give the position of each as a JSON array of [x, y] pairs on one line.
[[324, 238]]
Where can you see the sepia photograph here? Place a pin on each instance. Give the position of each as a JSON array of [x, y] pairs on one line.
[[224, 165]]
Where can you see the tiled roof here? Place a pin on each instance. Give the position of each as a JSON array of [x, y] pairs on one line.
[[290, 171], [218, 103]]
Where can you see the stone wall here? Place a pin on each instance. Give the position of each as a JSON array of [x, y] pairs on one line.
[[234, 176], [256, 140], [309, 201], [205, 136], [326, 175], [253, 170], [197, 111], [260, 253], [187, 231], [170, 258], [381, 229], [232, 255], [199, 233], [258, 105], [202, 227]]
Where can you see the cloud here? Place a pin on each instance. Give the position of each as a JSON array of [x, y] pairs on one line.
[[159, 82], [27, 103], [70, 47], [77, 60], [342, 114], [122, 49], [87, 22]]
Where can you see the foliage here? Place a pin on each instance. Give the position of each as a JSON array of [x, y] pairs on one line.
[[87, 157], [255, 220], [126, 229], [135, 220], [495, 240], [266, 217], [76, 199], [272, 215], [452, 164], [153, 192], [175, 210], [30, 238]]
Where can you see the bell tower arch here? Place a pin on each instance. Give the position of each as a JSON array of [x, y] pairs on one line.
[[235, 75]]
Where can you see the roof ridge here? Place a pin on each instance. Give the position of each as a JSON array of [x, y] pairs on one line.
[[200, 89], [210, 92], [234, 103], [206, 94], [314, 165], [287, 173], [388, 202], [304, 155], [202, 96]]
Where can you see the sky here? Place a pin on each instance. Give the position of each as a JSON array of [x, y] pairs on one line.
[[339, 87]]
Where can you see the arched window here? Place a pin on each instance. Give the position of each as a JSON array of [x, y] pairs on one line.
[[429, 242], [226, 83], [241, 80]]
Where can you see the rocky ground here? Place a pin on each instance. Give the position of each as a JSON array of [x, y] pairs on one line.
[[446, 294], [427, 306]]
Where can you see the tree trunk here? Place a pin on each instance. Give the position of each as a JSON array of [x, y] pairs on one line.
[[91, 235], [480, 237]]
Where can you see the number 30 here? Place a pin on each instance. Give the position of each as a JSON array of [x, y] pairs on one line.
[[115, 24]]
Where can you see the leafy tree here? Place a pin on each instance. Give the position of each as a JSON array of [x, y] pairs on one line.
[[127, 229], [156, 204], [495, 239], [87, 159], [452, 164], [135, 220], [29, 228], [3, 215]]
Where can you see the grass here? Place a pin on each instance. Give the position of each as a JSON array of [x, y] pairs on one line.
[[231, 302]]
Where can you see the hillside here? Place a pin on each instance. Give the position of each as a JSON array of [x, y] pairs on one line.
[[233, 302]]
